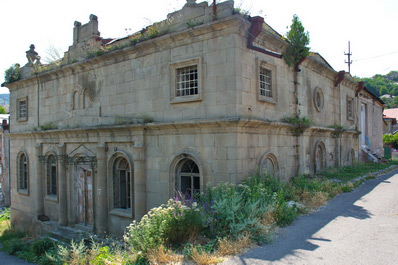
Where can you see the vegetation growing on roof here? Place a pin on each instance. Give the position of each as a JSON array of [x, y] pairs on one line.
[[298, 39], [12, 74], [147, 33], [300, 123], [242, 12], [338, 130], [194, 23]]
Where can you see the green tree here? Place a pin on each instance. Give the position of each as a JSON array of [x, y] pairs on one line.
[[2, 110], [393, 75], [298, 39]]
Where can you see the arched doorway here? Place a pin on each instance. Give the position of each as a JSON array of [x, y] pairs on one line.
[[319, 157]]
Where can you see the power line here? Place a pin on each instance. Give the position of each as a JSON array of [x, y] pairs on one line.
[[375, 57]]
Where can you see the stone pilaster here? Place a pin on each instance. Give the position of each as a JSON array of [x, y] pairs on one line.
[[39, 181], [62, 186], [101, 196], [140, 208]]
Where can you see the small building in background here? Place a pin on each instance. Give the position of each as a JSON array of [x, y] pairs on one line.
[[4, 161]]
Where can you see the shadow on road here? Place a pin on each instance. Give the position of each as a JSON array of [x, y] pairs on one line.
[[300, 233]]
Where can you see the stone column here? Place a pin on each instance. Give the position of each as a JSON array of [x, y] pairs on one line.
[[139, 161], [101, 198], [62, 187], [39, 181]]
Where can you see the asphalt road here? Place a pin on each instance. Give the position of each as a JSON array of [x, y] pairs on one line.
[[359, 227], [6, 259]]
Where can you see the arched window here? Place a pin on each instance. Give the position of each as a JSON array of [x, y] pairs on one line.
[[121, 184], [86, 99], [188, 178], [51, 175], [269, 165], [75, 100], [23, 172], [320, 157], [350, 157]]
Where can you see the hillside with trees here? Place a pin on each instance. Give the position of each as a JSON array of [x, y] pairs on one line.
[[383, 85]]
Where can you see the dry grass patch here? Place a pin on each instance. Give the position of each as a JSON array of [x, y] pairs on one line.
[[4, 226], [268, 219], [315, 199], [161, 255], [232, 247], [204, 258]]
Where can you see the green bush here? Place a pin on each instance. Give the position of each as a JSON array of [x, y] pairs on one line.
[[167, 224], [11, 235], [230, 210], [41, 246], [5, 214], [13, 247], [12, 74], [284, 214]]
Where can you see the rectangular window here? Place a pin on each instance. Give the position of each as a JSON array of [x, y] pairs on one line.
[[122, 194], [350, 108], [265, 82], [185, 81], [23, 174], [52, 180], [22, 109]]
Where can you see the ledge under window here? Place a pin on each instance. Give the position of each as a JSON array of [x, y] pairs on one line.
[[126, 213], [51, 198], [23, 192]]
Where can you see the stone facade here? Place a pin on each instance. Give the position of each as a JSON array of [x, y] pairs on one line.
[[97, 142], [5, 197]]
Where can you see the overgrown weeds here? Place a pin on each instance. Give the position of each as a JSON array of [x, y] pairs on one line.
[[225, 220]]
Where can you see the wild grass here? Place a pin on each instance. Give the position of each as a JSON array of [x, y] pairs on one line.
[[227, 247], [351, 172], [225, 220]]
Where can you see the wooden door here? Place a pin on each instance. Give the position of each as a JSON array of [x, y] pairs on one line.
[[84, 190]]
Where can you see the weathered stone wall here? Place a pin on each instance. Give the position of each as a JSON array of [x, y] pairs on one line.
[[122, 104]]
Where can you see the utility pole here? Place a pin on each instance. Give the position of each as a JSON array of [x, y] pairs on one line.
[[349, 58], [214, 9]]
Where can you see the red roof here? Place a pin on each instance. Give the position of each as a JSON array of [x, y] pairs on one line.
[[391, 113]]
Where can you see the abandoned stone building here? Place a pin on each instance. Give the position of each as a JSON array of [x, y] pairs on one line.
[[200, 98]]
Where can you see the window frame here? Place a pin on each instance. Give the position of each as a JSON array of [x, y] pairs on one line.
[[51, 169], [274, 161], [268, 67], [317, 91], [174, 67], [191, 175], [23, 189], [116, 182], [350, 116], [19, 101]]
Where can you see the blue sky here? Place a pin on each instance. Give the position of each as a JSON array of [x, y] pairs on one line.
[[370, 26]]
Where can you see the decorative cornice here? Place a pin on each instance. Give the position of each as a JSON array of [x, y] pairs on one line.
[[214, 124]]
